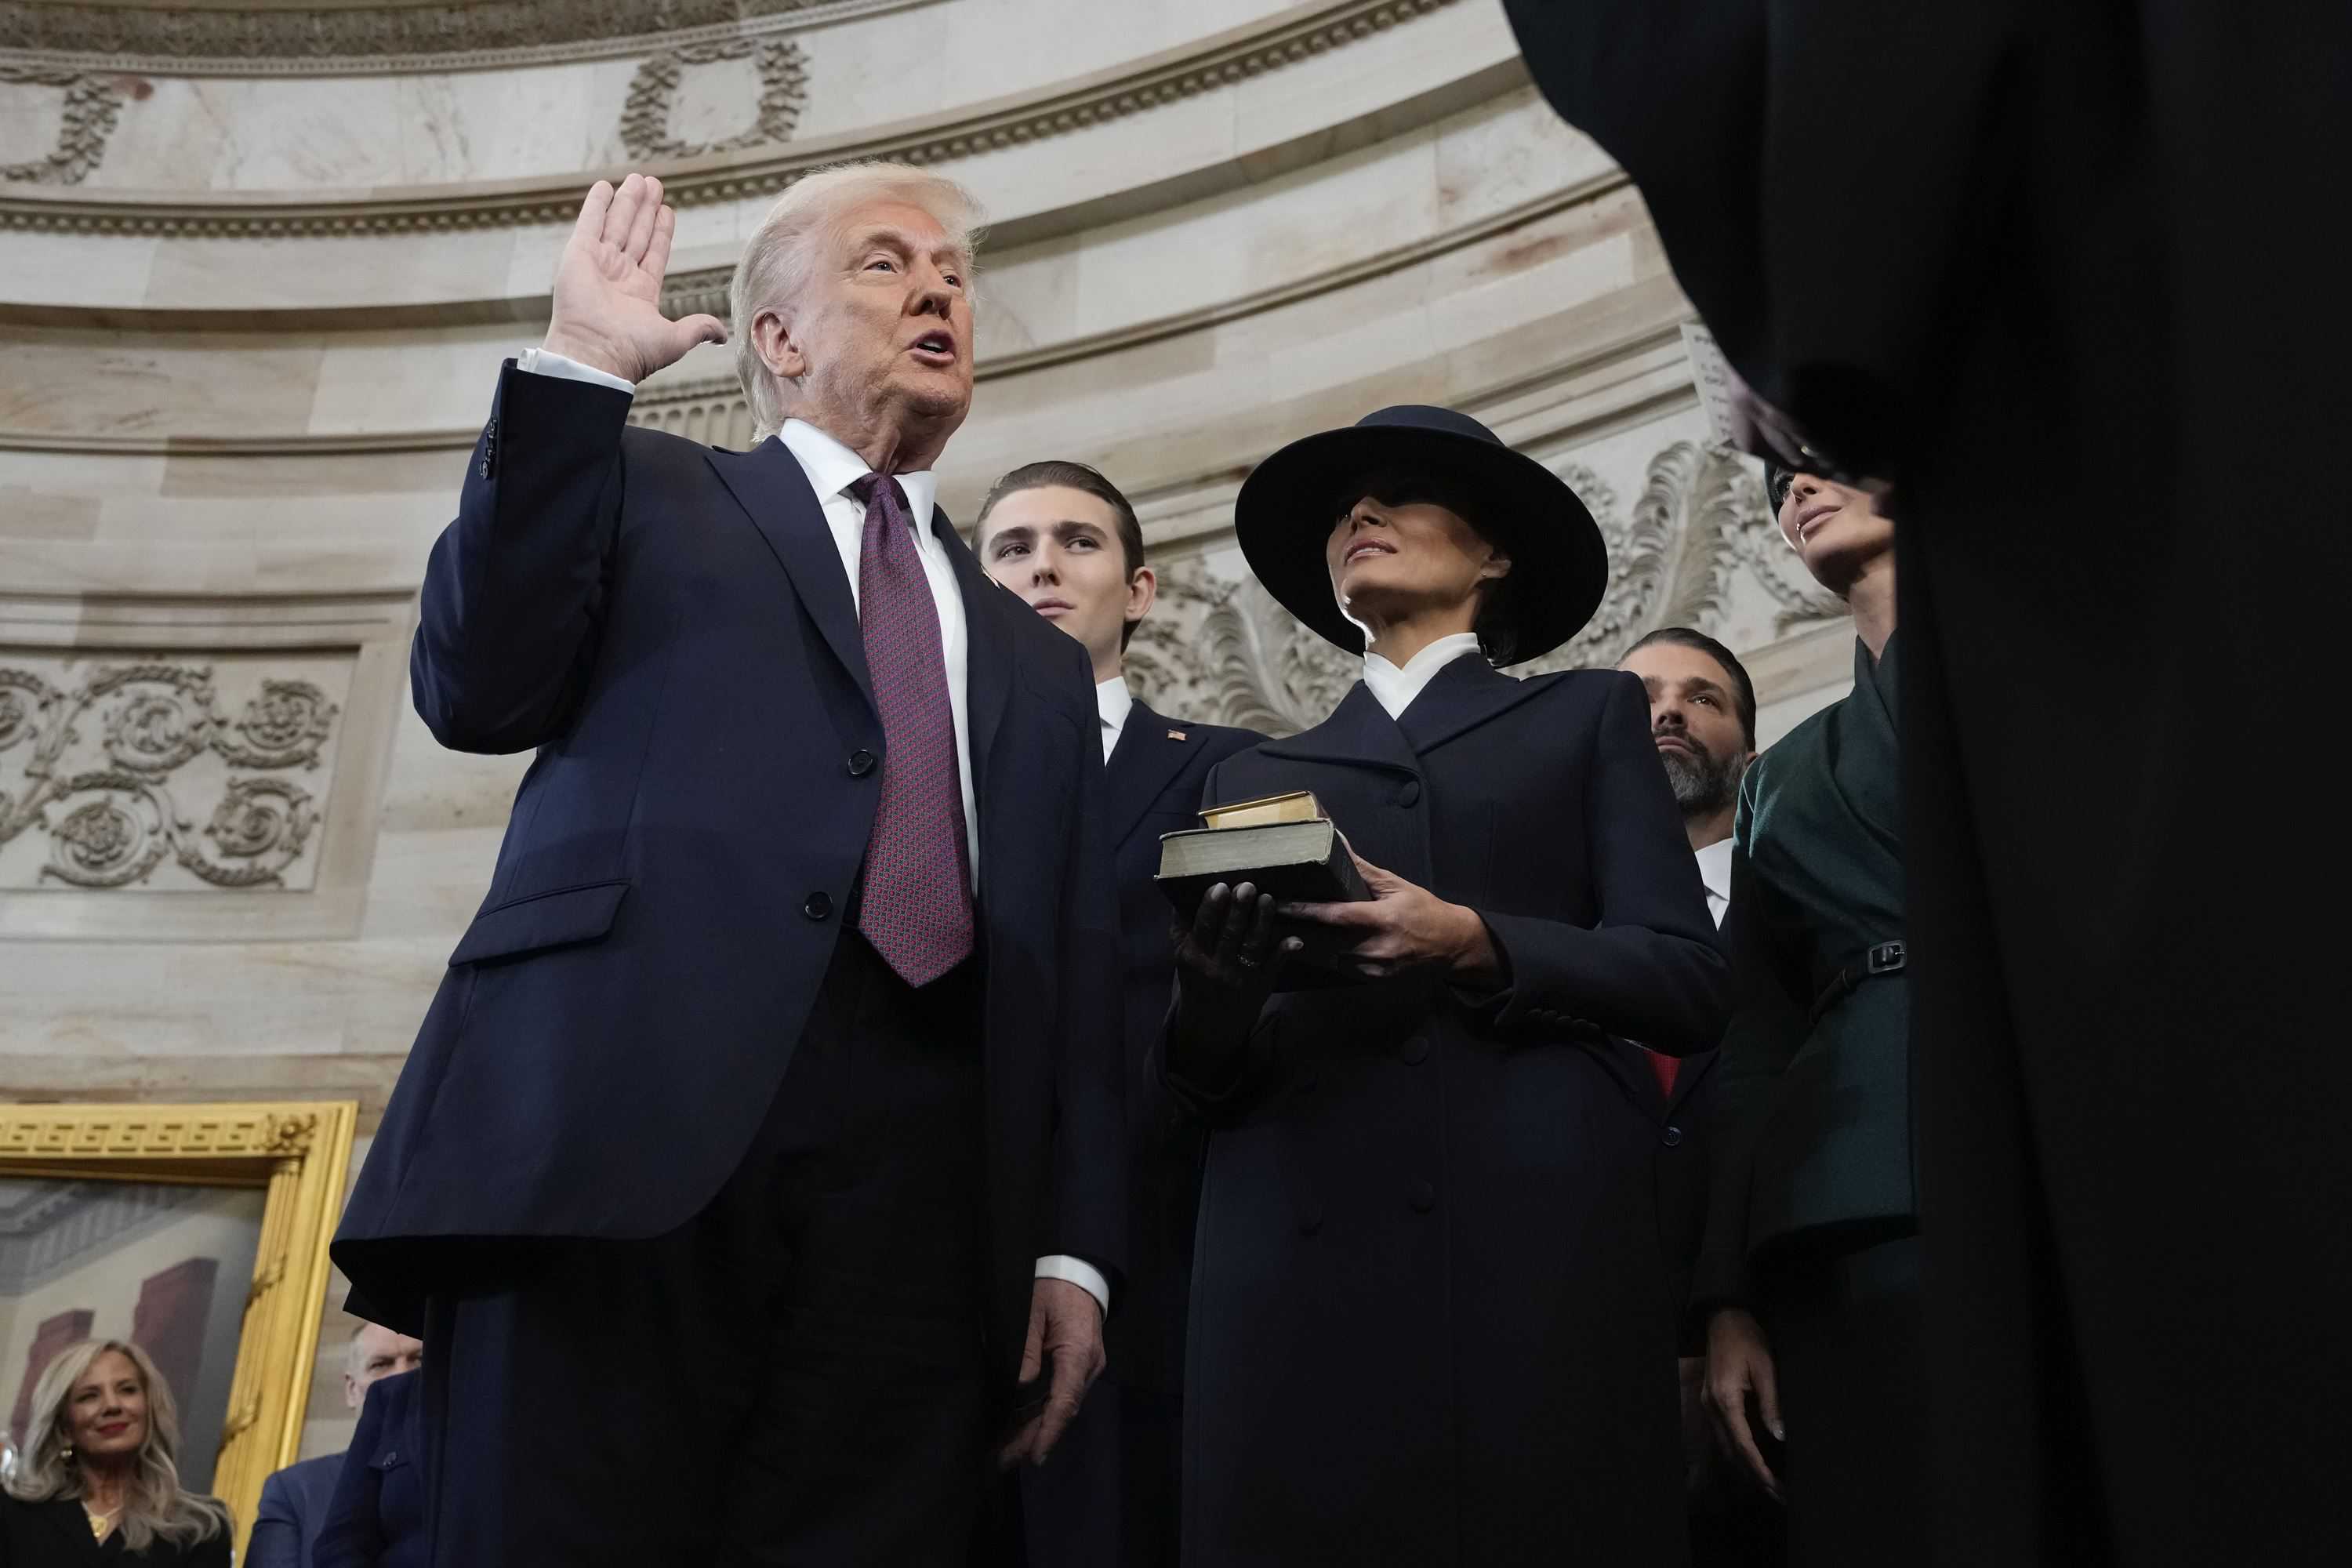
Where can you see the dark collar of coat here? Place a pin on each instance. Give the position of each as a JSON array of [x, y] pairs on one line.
[[1147, 756], [770, 485], [1460, 697]]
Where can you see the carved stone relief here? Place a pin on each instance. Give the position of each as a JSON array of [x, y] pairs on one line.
[[1219, 649], [118, 771], [646, 129], [90, 111]]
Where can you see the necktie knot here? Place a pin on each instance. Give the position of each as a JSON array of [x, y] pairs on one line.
[[867, 487]]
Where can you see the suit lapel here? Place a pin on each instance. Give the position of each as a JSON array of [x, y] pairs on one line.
[[988, 661], [1464, 695], [1693, 1072], [1140, 767], [769, 484]]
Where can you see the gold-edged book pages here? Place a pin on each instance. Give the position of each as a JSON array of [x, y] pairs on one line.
[[200, 1233], [1297, 805]]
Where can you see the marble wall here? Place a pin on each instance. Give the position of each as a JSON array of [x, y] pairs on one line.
[[244, 346]]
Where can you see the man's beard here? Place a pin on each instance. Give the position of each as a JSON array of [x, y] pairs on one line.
[[1704, 783]]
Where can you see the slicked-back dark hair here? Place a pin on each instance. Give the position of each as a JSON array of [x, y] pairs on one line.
[[1743, 689], [1076, 476]]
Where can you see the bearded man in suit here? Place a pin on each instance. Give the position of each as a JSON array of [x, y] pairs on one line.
[[778, 1076], [1063, 537]]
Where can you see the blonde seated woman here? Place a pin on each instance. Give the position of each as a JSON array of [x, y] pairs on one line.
[[99, 1481]]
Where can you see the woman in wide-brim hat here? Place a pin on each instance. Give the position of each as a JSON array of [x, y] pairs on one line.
[[1430, 1318]]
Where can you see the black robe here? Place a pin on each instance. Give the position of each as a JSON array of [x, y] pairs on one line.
[[2057, 271], [1430, 1321]]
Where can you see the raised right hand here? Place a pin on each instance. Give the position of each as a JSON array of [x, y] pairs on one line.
[[608, 286], [1738, 1363]]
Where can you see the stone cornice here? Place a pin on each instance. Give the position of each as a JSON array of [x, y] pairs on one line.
[[368, 40], [1228, 59], [660, 394]]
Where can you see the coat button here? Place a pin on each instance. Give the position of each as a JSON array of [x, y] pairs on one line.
[[818, 906], [1310, 1219], [861, 763], [1410, 793], [1416, 1051], [1672, 1136], [1424, 1198]]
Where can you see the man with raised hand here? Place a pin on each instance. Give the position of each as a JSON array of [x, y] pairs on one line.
[[777, 1079]]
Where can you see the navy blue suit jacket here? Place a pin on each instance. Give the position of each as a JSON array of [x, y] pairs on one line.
[[293, 1505], [671, 627], [378, 1517]]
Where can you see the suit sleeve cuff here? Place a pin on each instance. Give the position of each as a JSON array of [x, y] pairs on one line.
[[1079, 1272], [538, 362]]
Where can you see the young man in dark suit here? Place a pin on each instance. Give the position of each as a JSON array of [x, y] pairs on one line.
[[778, 1077], [1064, 537]]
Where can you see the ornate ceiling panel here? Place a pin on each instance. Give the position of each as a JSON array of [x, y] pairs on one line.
[[250, 38]]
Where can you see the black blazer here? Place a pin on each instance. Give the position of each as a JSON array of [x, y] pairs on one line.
[[378, 1518], [56, 1535], [1155, 777], [671, 627], [293, 1505], [1430, 1319]]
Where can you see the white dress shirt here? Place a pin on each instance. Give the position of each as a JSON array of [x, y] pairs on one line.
[[1395, 688], [1714, 870], [1114, 702], [831, 469]]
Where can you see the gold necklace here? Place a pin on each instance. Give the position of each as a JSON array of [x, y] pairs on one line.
[[100, 1523]]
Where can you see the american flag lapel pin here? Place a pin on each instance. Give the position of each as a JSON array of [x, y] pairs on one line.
[[1177, 735]]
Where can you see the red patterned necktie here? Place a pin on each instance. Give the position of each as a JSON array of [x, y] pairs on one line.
[[918, 897]]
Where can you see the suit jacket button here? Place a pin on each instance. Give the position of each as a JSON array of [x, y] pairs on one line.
[[1672, 1136], [1410, 793], [861, 763], [1416, 1051], [818, 906], [1424, 1198]]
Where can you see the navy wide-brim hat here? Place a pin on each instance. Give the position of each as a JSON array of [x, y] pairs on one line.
[[1283, 518]]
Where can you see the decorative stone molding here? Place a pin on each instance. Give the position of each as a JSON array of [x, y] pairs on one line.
[[653, 97], [1224, 652], [355, 40], [190, 769], [90, 107], [1236, 57], [116, 822]]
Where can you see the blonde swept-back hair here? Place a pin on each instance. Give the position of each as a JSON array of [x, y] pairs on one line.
[[154, 1505], [786, 249]]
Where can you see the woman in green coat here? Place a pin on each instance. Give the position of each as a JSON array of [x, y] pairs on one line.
[[1808, 1277]]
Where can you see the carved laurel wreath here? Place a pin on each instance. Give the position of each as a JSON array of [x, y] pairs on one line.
[[118, 823], [653, 95], [91, 110], [1229, 654]]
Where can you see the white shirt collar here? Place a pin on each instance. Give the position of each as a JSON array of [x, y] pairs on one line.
[[1395, 688], [1714, 870], [1114, 702], [833, 468]]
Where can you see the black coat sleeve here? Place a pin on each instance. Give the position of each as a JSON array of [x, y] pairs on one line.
[[1193, 1091], [1650, 969], [353, 1534], [514, 589], [1769, 1024]]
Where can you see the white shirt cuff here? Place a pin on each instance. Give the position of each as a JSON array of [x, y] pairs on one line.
[[538, 362], [1079, 1272]]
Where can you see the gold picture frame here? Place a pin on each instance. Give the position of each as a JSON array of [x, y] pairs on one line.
[[298, 1153]]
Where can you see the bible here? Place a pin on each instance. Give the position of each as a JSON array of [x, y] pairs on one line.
[[1283, 844]]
